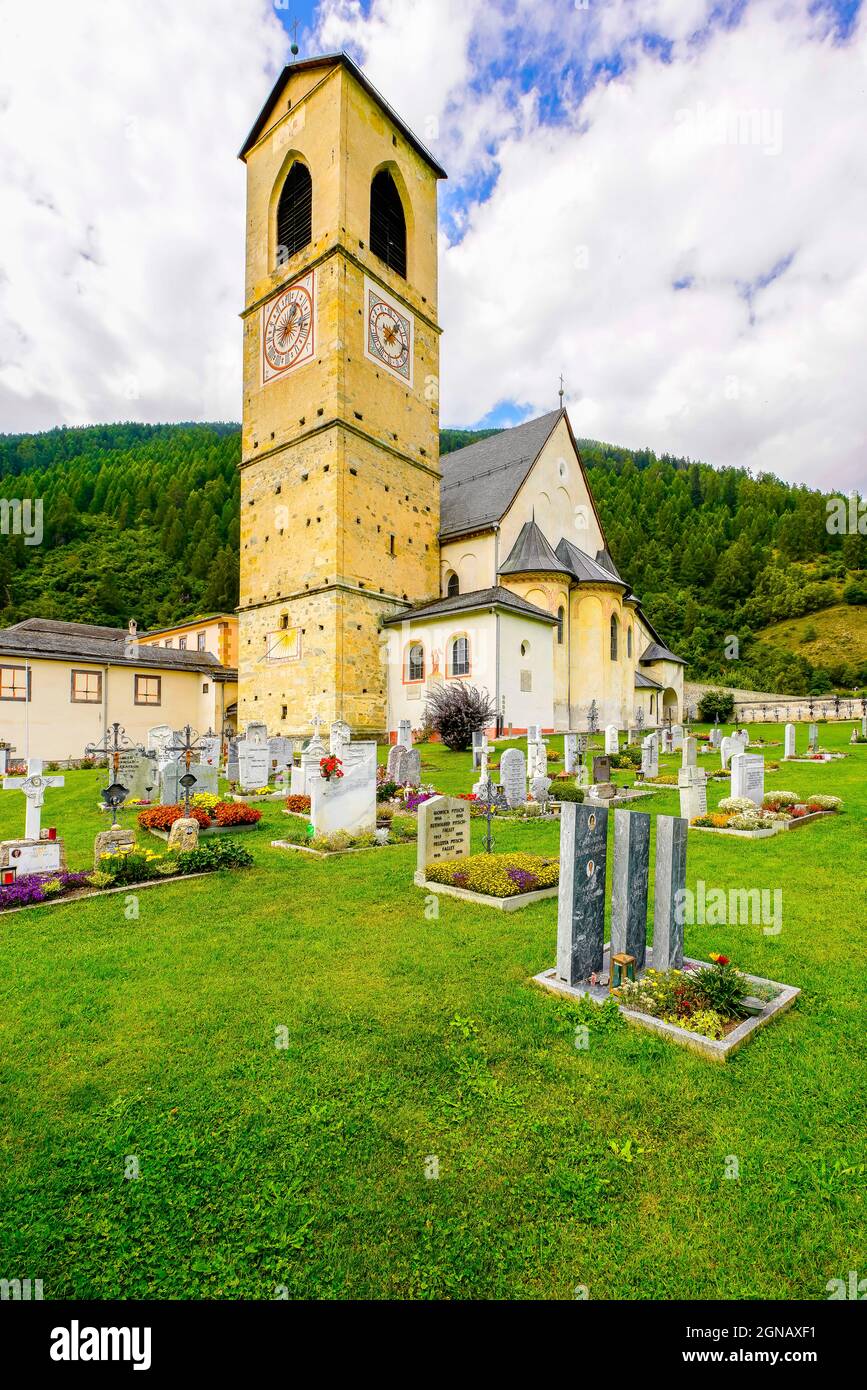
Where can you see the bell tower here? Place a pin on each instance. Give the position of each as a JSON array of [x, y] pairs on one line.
[[339, 464]]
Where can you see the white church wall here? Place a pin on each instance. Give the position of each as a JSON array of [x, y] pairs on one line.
[[406, 698], [557, 493], [533, 667]]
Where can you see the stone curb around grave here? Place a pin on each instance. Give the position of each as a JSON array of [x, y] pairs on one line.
[[510, 904], [710, 1048], [86, 895]]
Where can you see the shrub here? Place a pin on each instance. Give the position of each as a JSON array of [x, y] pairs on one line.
[[567, 791], [824, 803], [456, 711], [716, 704], [775, 801], [330, 844], [498, 875], [723, 988], [131, 866], [236, 813], [384, 792], [99, 879], [748, 820], [214, 854], [299, 804]]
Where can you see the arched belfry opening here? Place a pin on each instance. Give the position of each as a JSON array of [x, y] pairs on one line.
[[387, 222], [294, 212]]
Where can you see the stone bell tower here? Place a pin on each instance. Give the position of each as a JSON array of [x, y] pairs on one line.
[[340, 446]]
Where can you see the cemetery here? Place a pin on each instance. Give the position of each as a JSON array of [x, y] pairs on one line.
[[407, 1014]]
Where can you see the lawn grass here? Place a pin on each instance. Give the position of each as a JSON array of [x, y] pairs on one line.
[[412, 1038]]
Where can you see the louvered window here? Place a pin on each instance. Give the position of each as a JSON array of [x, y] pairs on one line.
[[294, 213], [387, 223]]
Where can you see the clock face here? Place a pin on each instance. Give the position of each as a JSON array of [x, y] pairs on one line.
[[288, 328], [389, 332]]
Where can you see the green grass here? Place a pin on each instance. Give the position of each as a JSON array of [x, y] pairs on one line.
[[841, 628], [408, 1037]]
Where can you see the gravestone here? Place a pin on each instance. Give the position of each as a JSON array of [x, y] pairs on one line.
[[612, 739], [256, 733], [232, 760], [676, 738], [632, 734], [669, 885], [311, 756], [479, 741], [814, 738], [344, 803], [692, 784], [32, 854], [540, 787], [601, 770], [667, 741], [362, 751], [581, 894], [864, 725], [395, 767], [715, 737], [790, 741], [748, 776], [280, 755], [537, 759], [570, 752], [412, 768], [254, 763], [112, 841], [690, 753], [404, 733], [443, 832], [339, 734], [184, 834], [513, 777], [728, 747], [582, 776], [650, 756], [630, 885]]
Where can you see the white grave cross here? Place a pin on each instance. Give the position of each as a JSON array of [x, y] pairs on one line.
[[33, 786]]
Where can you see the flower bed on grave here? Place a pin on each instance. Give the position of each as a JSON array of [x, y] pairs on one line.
[[780, 810], [401, 830], [122, 869], [496, 875], [212, 814]]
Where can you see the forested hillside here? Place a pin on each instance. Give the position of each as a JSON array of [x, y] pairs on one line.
[[142, 521]]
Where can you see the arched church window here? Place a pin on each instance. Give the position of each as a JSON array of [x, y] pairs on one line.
[[561, 614], [614, 634], [525, 649], [629, 641], [460, 656], [387, 222], [294, 212], [415, 662], [453, 588]]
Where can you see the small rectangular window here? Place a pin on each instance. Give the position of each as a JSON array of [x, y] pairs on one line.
[[167, 642], [182, 644], [14, 683], [86, 687], [391, 545], [205, 688], [148, 690], [201, 638]]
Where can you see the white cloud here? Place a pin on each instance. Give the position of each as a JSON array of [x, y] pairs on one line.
[[121, 237]]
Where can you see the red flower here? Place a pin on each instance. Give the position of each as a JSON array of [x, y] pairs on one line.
[[330, 767]]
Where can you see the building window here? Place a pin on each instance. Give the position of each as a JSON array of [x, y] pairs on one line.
[[182, 644], [561, 615], [453, 588], [614, 635], [459, 656], [629, 641], [205, 687], [148, 690], [284, 620], [86, 687], [14, 683], [387, 223], [652, 698], [294, 212], [415, 662], [525, 649], [201, 638], [167, 642]]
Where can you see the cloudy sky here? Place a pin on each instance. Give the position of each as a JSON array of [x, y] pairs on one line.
[[663, 199]]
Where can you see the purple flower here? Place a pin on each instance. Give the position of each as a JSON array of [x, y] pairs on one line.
[[524, 880]]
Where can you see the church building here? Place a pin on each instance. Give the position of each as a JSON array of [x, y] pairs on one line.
[[371, 568]]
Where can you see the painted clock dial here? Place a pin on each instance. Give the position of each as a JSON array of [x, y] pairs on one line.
[[288, 328], [389, 332]]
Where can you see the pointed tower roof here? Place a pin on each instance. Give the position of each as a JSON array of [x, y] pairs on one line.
[[532, 554]]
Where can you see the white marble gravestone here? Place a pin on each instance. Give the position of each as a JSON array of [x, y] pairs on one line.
[[254, 763], [748, 776], [344, 803], [443, 832], [338, 736], [692, 785], [612, 739], [32, 855], [404, 732], [570, 753], [513, 776], [690, 753], [790, 741]]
